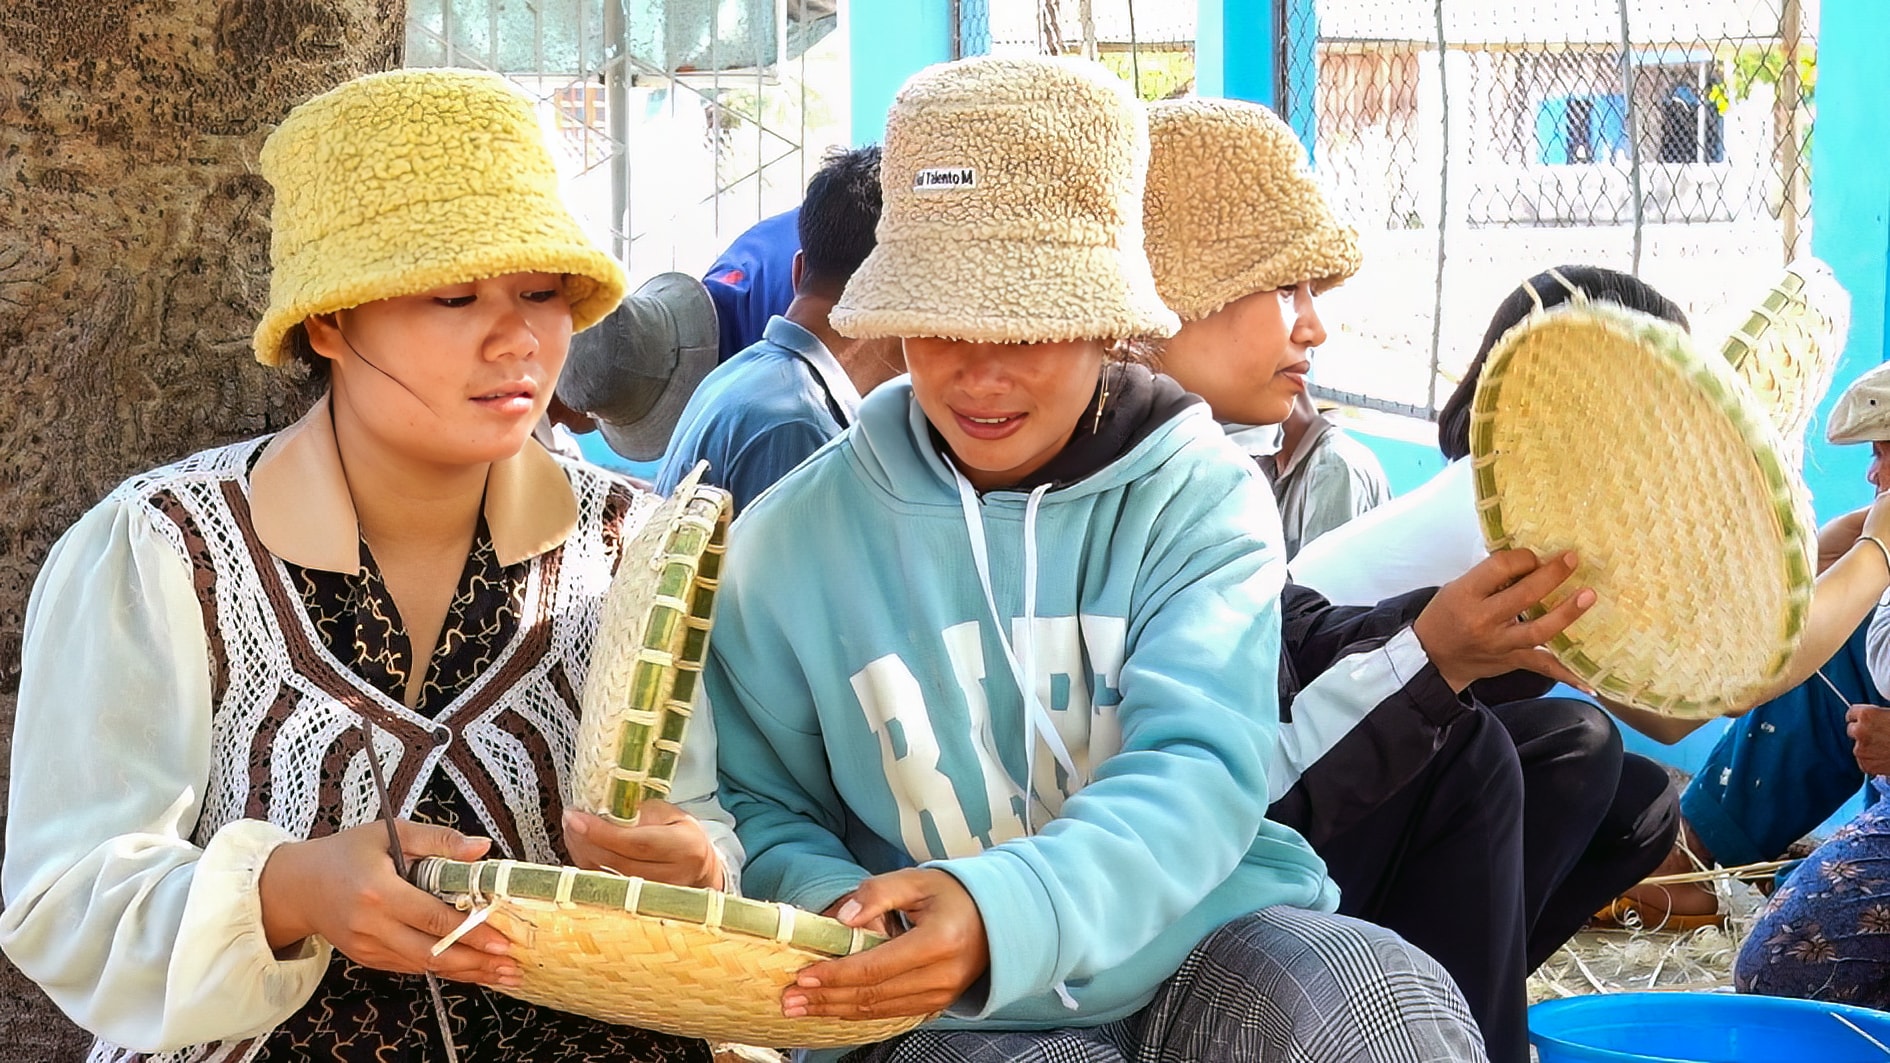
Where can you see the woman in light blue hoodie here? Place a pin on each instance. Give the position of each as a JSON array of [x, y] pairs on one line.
[[998, 665]]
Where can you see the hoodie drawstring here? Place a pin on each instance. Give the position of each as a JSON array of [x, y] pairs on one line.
[[1023, 657]]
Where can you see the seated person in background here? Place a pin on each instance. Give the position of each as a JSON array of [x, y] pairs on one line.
[[1825, 933], [766, 409], [1321, 476], [752, 280], [630, 377], [1520, 819], [1785, 767], [1016, 681], [1432, 533]]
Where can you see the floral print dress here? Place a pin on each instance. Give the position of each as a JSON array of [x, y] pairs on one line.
[[1825, 934]]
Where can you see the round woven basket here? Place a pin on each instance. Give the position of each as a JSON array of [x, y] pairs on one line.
[[692, 962], [1787, 348], [1604, 431]]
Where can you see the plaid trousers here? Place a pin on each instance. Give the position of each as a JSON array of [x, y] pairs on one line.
[[1283, 985]]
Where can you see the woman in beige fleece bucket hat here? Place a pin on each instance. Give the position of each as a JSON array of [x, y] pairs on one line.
[[1242, 240], [1035, 721]]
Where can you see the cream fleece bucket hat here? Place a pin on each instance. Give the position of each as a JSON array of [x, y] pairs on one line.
[[1233, 209], [1013, 209], [399, 182]]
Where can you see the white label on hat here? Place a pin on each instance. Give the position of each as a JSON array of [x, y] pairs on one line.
[[945, 179]]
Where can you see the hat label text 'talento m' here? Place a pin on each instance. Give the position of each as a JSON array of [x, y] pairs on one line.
[[945, 179]]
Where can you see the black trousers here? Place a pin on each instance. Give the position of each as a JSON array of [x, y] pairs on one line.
[[1441, 863], [1595, 820]]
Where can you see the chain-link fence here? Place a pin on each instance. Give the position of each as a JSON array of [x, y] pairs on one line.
[[677, 123], [1150, 43], [1476, 142]]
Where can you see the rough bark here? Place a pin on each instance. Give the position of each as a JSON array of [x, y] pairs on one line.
[[133, 264]]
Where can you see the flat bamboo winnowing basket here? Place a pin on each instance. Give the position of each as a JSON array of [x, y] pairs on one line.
[[1788, 347], [652, 638], [1605, 431], [692, 962]]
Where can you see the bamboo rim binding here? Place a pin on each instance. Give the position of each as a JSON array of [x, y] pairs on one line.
[[680, 959]]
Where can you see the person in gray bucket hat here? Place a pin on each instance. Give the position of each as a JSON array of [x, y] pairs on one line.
[[635, 371]]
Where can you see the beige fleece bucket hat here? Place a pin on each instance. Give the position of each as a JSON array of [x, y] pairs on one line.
[[1013, 209], [1232, 208]]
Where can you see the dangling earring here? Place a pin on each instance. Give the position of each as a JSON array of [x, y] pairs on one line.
[[1095, 426]]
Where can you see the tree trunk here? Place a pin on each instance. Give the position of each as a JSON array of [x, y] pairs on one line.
[[134, 262]]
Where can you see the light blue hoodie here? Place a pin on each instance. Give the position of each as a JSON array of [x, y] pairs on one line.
[[869, 718]]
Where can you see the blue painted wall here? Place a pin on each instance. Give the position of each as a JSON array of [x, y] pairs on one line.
[[1850, 210], [888, 42], [1235, 52]]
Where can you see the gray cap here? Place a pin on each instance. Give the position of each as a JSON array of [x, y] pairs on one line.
[[1862, 413], [634, 372]]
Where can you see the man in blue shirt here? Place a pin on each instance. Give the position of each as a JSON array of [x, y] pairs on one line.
[[765, 410], [753, 280]]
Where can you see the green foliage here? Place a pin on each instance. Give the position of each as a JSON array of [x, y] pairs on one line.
[[1764, 64], [1163, 73]]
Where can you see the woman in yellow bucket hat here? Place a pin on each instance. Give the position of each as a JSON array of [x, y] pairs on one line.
[[235, 664]]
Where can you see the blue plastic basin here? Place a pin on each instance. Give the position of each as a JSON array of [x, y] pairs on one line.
[[1704, 1028]]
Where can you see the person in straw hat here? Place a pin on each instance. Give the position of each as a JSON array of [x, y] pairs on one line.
[[224, 657], [1822, 934], [1242, 241], [1016, 689]]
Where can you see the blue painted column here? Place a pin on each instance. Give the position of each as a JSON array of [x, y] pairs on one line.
[[1850, 218], [1239, 54], [888, 42], [1236, 51]]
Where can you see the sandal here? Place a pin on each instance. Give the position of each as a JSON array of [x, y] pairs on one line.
[[1629, 914]]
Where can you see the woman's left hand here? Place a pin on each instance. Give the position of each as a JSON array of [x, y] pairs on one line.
[[666, 845], [917, 973]]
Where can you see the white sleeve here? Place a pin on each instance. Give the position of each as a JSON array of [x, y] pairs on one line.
[[140, 936], [1877, 649], [1336, 702], [1422, 539]]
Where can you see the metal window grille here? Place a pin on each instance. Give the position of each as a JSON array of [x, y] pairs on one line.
[[676, 123]]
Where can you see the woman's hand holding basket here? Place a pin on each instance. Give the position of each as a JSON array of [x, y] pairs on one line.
[[1475, 627], [666, 844], [344, 888], [919, 972]]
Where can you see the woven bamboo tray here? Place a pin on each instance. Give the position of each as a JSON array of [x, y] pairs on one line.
[[652, 638], [1606, 432], [1788, 347], [692, 962]]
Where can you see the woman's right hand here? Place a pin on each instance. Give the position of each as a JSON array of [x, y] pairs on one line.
[[344, 888], [1473, 628]]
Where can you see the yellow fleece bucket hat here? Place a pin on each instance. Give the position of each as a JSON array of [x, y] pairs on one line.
[[404, 181], [1013, 209], [1233, 209]]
